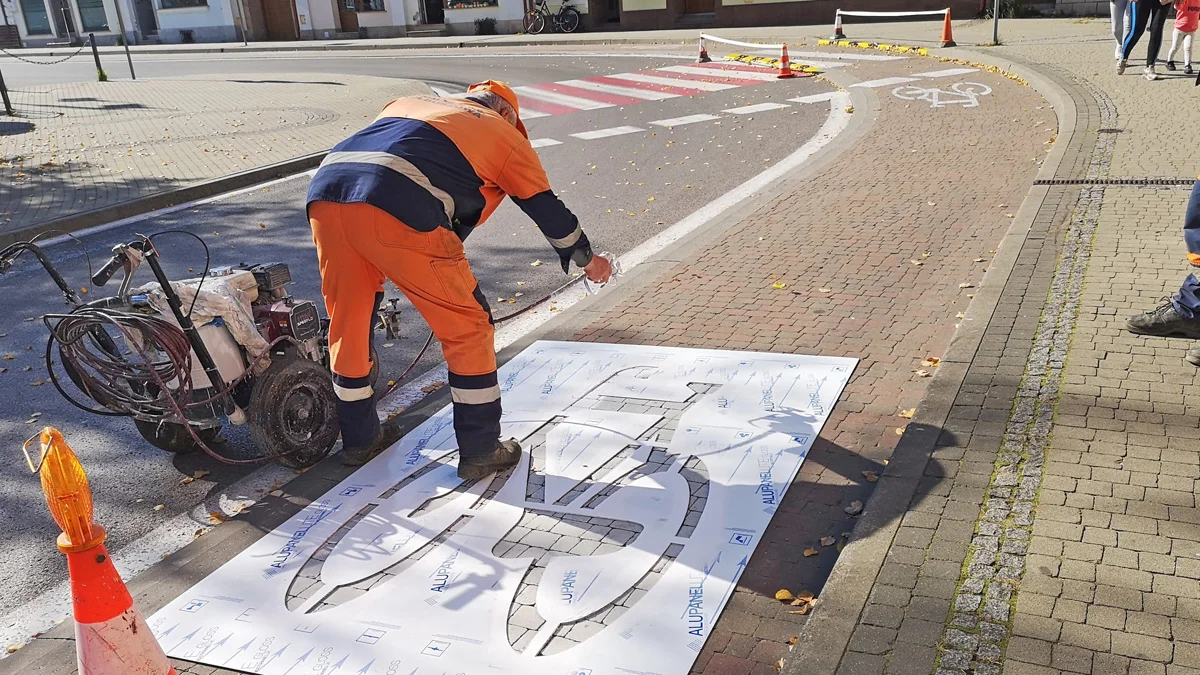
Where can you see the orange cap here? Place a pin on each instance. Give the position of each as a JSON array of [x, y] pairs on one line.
[[505, 92]]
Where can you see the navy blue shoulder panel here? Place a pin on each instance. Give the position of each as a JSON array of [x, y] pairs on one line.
[[423, 146]]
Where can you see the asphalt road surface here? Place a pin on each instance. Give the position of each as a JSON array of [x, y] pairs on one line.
[[624, 188]]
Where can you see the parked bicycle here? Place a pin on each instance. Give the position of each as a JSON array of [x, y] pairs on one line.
[[566, 21]]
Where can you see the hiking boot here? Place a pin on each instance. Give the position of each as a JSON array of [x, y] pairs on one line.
[[506, 454], [1120, 66], [1164, 321], [389, 433], [1171, 66]]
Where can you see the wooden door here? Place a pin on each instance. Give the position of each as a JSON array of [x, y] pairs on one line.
[[698, 6], [348, 11], [280, 19]]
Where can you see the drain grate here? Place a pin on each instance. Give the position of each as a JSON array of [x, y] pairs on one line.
[[1110, 130], [1150, 182]]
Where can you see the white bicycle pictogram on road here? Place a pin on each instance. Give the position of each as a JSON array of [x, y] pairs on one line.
[[964, 93]]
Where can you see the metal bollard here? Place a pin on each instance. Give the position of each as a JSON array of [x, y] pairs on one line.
[[100, 74], [8, 109]]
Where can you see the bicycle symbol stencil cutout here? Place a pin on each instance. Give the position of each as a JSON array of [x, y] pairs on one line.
[[965, 94]]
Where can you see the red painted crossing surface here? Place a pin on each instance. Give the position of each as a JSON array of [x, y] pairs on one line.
[[722, 73]]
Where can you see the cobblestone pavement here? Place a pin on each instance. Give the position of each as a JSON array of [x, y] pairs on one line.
[[1054, 529], [84, 146]]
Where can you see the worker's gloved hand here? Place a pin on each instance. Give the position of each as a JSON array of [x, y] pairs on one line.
[[599, 270]]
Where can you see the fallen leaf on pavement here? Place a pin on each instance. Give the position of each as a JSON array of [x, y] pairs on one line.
[[960, 315], [899, 431], [262, 225], [979, 260], [185, 480], [37, 383], [926, 254], [827, 541], [854, 509], [810, 552], [784, 595], [931, 362], [9, 357], [779, 285], [908, 414], [922, 373], [536, 263], [430, 388], [871, 476], [216, 517], [917, 263], [159, 507], [824, 290], [966, 285]]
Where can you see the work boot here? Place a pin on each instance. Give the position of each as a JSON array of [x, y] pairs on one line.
[[389, 433], [1164, 321], [506, 454]]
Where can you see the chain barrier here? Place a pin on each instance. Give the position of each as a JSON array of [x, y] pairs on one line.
[[43, 63]]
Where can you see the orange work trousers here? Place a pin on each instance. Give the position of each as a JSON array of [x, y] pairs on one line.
[[358, 246]]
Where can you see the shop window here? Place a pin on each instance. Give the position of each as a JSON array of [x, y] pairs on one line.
[[92, 15], [181, 4], [37, 19]]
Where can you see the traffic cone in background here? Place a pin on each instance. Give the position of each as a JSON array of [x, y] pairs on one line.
[[837, 27], [947, 32], [111, 637], [785, 65], [703, 58]]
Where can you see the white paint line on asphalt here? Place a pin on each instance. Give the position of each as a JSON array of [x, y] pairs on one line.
[[717, 72], [358, 54], [690, 119], [949, 72], [844, 57], [53, 606], [544, 142], [885, 82], [527, 114], [560, 99], [605, 133], [644, 94], [815, 98], [674, 82], [756, 108]]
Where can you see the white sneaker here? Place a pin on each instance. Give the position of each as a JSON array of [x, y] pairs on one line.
[[1150, 74], [1117, 55], [1120, 66]]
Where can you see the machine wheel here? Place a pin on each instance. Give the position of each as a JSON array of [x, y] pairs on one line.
[[174, 437], [293, 412]]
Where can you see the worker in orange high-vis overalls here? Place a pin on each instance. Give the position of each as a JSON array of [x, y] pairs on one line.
[[395, 201]]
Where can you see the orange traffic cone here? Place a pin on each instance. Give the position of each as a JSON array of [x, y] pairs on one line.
[[947, 33], [837, 27], [785, 65], [111, 637], [703, 58]]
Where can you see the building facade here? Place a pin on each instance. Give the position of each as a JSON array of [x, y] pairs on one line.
[[42, 22]]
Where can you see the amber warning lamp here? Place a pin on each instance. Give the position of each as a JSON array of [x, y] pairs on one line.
[[67, 491]]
